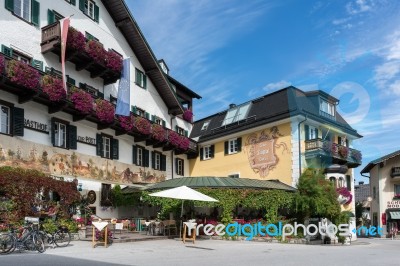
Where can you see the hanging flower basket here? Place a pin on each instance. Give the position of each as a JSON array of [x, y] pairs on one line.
[[143, 125], [53, 87], [343, 151], [82, 100], [184, 144], [114, 61], [126, 122], [158, 132], [105, 111], [76, 40], [174, 138], [188, 116], [2, 64], [344, 195], [96, 51], [356, 155], [23, 74]]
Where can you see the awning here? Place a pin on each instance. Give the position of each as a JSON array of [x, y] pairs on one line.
[[395, 215]]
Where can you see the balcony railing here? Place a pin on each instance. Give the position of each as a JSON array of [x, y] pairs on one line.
[[51, 42], [333, 150], [395, 172], [24, 95]]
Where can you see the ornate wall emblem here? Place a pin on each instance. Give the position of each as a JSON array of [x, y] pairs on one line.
[[261, 150]]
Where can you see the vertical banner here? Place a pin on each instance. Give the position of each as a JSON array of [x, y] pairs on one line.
[[64, 24], [123, 98]]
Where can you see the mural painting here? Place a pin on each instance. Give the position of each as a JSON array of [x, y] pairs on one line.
[[261, 150], [61, 162]]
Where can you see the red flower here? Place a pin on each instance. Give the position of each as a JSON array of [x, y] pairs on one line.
[[143, 125], [188, 115], [2, 64], [96, 51], [105, 111], [114, 61], [127, 122], [82, 100], [53, 87], [158, 132], [23, 74], [76, 40]]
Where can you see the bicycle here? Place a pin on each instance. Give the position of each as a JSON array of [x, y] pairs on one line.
[[60, 238], [7, 242], [28, 240]]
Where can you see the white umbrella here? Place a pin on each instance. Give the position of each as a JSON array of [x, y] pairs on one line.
[[183, 193]]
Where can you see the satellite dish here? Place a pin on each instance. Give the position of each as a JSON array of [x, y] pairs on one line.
[[369, 199]]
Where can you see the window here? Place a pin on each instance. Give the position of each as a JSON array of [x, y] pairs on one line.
[[208, 152], [343, 141], [138, 111], [105, 195], [107, 147], [333, 180], [22, 9], [140, 156], [236, 114], [140, 79], [234, 175], [341, 182], [5, 119], [27, 10], [63, 135], [19, 56], [327, 107], [179, 165], [233, 146], [311, 132], [205, 125], [60, 135], [89, 8], [139, 160], [397, 189], [180, 130], [157, 120], [158, 161], [90, 37]]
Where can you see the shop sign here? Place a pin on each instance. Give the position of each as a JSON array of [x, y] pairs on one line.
[[393, 204], [37, 126], [87, 140]]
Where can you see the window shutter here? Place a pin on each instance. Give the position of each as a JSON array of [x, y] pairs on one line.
[[37, 64], [348, 182], [35, 13], [51, 18], [176, 166], [307, 132], [53, 128], [115, 149], [146, 157], [339, 140], [316, 133], [212, 151], [153, 118], [201, 154], [134, 154], [144, 81], [186, 133], [163, 123], [18, 121], [73, 2], [100, 95], [99, 145], [10, 5], [347, 142], [72, 137], [147, 115], [176, 128], [226, 147], [96, 13], [153, 160], [239, 144], [163, 162], [183, 167], [133, 109], [82, 5], [6, 50], [137, 79], [70, 80]]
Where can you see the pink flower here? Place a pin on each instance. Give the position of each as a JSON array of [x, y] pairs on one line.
[[114, 61], [142, 125], [76, 40], [82, 100], [158, 132], [174, 138], [184, 144], [2, 64], [96, 51], [23, 74], [188, 115], [105, 111], [126, 122], [53, 87]]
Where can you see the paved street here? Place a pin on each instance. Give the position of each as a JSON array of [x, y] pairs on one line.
[[213, 252]]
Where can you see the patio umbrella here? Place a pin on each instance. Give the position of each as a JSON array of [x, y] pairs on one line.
[[183, 193]]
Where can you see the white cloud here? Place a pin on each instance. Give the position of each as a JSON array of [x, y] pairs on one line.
[[359, 6], [276, 85]]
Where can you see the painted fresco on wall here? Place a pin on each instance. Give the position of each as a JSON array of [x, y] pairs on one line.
[[261, 150], [61, 162]]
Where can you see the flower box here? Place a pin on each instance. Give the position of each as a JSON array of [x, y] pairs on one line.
[[23, 74], [76, 40], [126, 122], [82, 100], [96, 51], [114, 61], [343, 151], [174, 139], [53, 87], [142, 125], [105, 111], [188, 115], [158, 133], [2, 64]]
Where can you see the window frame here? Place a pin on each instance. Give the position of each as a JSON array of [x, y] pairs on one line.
[[157, 160], [87, 8], [9, 118], [180, 130], [21, 14], [233, 146], [139, 156], [109, 138], [207, 152], [205, 125], [180, 166], [330, 107], [142, 82], [20, 56], [57, 130], [312, 132], [396, 189]]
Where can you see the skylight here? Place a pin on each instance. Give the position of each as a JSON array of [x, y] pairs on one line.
[[236, 114], [205, 125]]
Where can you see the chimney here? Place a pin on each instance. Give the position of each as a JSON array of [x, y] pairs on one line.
[[361, 183], [232, 105]]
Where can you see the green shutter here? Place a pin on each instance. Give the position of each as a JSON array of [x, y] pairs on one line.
[[163, 123], [144, 81], [53, 128], [35, 13], [96, 13], [6, 50], [10, 5], [176, 128], [37, 64], [153, 118], [163, 162], [348, 182], [147, 115], [133, 109], [239, 144], [99, 145], [73, 2], [134, 154], [201, 154], [137, 79], [51, 18], [146, 157], [226, 146], [212, 151], [183, 167], [82, 5], [307, 132], [18, 121], [153, 160], [115, 149], [70, 80], [316, 133], [186, 133], [72, 137], [176, 166], [100, 95]]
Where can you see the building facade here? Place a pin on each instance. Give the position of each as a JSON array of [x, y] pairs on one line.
[[384, 180], [77, 136]]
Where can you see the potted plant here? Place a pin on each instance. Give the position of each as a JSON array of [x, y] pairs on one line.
[[114, 61], [158, 132], [142, 125], [96, 51], [2, 64], [345, 196], [82, 100], [184, 144], [343, 151], [75, 40], [188, 115], [53, 87], [23, 74], [126, 122], [105, 111], [174, 138]]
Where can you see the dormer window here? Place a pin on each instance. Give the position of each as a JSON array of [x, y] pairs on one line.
[[205, 125], [163, 66], [327, 108]]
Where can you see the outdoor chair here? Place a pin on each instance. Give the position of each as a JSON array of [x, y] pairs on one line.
[[170, 225], [144, 226]]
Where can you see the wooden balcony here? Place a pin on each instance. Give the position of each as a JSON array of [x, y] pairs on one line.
[[395, 172], [332, 152], [51, 42]]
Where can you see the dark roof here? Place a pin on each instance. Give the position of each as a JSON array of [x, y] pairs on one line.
[[379, 160], [221, 182], [362, 192], [276, 106], [183, 88], [129, 28]]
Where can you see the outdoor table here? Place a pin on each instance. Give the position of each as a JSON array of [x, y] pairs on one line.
[[192, 236], [99, 226]]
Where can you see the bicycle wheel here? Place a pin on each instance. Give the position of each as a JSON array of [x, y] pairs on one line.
[[62, 238], [7, 243], [39, 243]]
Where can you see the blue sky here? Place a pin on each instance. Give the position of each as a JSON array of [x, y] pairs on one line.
[[231, 51]]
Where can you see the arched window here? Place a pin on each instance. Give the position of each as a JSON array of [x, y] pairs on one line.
[[333, 180], [341, 182]]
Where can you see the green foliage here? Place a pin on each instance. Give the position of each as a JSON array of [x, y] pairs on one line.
[[316, 196], [49, 226], [70, 224], [120, 199]]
